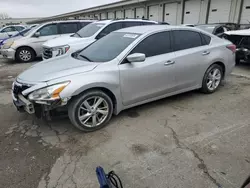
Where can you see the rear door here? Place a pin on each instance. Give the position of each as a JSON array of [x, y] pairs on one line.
[[152, 78], [192, 55]]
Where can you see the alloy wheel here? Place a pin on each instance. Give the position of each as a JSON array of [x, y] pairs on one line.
[[93, 111], [214, 79]]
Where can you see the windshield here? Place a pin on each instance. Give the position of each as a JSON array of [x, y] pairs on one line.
[[30, 31], [208, 28], [89, 30], [107, 48]]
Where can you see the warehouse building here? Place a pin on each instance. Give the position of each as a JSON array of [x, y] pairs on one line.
[[174, 12]]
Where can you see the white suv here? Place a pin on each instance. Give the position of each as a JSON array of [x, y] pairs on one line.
[[87, 35]]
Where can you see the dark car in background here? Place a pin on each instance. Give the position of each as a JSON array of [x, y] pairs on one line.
[[218, 29], [241, 38]]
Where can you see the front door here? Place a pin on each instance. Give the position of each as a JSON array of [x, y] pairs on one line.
[[152, 78], [47, 32]]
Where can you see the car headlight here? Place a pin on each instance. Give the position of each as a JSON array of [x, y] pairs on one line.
[[57, 51], [8, 44], [48, 93]]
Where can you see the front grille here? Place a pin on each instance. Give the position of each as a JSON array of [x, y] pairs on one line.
[[19, 88], [47, 53]]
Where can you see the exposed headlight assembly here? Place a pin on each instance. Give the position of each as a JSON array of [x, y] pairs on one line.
[[49, 93], [57, 51]]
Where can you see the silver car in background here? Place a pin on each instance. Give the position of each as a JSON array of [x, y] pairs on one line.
[[29, 46], [126, 68]]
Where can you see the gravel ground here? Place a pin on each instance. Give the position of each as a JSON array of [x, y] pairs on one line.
[[189, 140]]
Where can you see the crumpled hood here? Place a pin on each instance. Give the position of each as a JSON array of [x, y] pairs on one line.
[[56, 68], [65, 40]]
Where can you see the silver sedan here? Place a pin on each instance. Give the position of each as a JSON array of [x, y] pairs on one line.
[[126, 68]]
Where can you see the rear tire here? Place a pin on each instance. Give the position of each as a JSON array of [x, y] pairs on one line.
[[90, 111], [25, 55], [212, 79]]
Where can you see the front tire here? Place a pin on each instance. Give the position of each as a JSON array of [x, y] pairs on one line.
[[90, 111], [212, 79], [25, 54]]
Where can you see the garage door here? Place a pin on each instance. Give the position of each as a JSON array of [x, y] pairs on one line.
[[153, 13], [219, 11], [245, 15], [119, 14], [139, 12], [111, 15], [170, 11], [129, 13], [103, 16], [192, 12]]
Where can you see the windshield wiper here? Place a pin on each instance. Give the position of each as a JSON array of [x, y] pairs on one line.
[[85, 58]]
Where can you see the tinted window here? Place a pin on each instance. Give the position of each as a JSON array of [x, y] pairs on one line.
[[107, 48], [48, 30], [19, 28], [89, 30], [131, 24], [110, 28], [149, 23], [206, 39], [186, 39], [155, 44], [68, 27], [8, 29], [245, 41]]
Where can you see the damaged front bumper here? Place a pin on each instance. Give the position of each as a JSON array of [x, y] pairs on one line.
[[38, 107]]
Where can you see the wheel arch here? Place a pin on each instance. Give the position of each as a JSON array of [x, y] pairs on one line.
[[25, 46], [223, 66], [107, 91]]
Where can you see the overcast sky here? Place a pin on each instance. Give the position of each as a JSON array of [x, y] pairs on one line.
[[41, 8]]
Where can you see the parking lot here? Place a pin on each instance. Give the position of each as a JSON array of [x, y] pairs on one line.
[[189, 140]]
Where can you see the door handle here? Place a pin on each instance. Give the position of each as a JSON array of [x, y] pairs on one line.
[[206, 53], [170, 62]]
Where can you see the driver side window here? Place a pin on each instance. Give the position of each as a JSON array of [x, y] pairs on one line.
[[149, 48], [49, 30]]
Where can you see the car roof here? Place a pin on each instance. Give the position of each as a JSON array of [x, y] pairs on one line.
[[154, 28], [124, 20], [68, 21]]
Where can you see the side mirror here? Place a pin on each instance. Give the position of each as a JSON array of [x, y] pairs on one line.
[[136, 57], [37, 34]]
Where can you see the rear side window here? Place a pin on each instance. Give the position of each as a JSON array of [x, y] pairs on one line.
[[154, 45], [186, 39], [148, 23], [68, 27], [205, 39], [131, 24]]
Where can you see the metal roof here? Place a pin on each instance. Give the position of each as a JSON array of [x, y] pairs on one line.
[[92, 9]]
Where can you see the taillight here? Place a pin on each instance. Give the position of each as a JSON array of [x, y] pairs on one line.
[[232, 47]]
